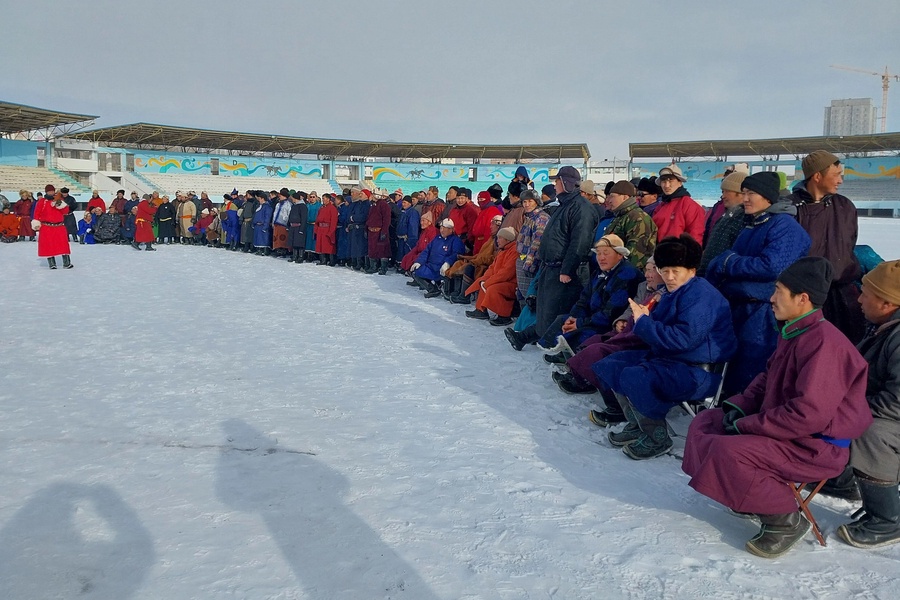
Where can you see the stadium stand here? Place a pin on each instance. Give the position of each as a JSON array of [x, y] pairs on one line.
[[34, 179], [216, 185]]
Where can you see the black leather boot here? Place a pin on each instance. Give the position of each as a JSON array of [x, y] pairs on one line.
[[843, 486], [148, 247], [778, 534], [383, 266], [67, 262], [135, 245], [52, 262], [632, 431], [880, 525]]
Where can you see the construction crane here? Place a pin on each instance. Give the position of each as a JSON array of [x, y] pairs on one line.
[[885, 84]]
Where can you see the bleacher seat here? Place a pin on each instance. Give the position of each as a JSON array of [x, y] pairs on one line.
[[13, 179], [217, 185]]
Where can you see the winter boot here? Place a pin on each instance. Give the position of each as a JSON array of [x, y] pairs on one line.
[[498, 321], [632, 431], [67, 262], [654, 441], [778, 534], [880, 525], [555, 359], [148, 247], [612, 414], [573, 384], [382, 266], [332, 260], [52, 262], [135, 245], [843, 486], [477, 314], [81, 240], [516, 338], [432, 290]]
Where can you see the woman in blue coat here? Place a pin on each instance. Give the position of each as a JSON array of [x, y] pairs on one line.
[[262, 227], [690, 326], [771, 241], [343, 235], [407, 229]]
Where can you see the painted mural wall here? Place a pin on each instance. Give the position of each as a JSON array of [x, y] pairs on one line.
[[427, 173], [236, 166]]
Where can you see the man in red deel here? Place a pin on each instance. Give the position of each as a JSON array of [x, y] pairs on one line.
[[53, 239]]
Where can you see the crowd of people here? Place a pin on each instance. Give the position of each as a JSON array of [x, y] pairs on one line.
[[635, 293]]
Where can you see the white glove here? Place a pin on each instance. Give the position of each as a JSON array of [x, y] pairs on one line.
[[444, 268], [35, 224], [88, 230], [414, 266], [483, 289]]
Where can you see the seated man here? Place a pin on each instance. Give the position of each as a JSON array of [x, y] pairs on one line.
[[793, 423], [875, 455], [469, 267], [581, 379], [434, 261], [614, 283], [690, 326], [496, 289], [770, 241]]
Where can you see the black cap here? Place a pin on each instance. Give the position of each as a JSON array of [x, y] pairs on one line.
[[765, 183], [810, 274]]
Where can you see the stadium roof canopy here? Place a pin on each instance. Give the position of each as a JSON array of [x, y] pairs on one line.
[[19, 118], [722, 149], [148, 135]]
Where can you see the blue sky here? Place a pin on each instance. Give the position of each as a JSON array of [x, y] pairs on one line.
[[457, 72]]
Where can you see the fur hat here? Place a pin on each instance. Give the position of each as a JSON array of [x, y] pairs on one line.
[[884, 281], [507, 233], [447, 223], [681, 251], [648, 185], [810, 274], [765, 183], [818, 161], [732, 182], [496, 191]]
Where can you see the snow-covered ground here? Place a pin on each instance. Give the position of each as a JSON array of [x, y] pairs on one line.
[[195, 423]]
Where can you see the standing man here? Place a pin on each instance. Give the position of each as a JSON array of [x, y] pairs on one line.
[[71, 225], [378, 223], [634, 226], [875, 455], [564, 253], [49, 221], [677, 213], [143, 226], [830, 220]]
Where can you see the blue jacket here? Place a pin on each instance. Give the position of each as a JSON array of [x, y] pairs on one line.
[[262, 225], [770, 242], [312, 211], [439, 251], [87, 230], [606, 297], [690, 325], [343, 238], [407, 231]]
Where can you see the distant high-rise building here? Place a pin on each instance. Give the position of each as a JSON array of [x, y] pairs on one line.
[[854, 116]]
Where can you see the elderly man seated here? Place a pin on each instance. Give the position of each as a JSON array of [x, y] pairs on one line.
[[690, 326], [875, 455], [793, 423], [614, 283], [435, 260], [496, 289], [469, 267]]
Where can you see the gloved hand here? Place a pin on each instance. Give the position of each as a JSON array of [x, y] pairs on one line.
[[531, 302], [729, 421], [414, 266], [444, 268], [89, 230]]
